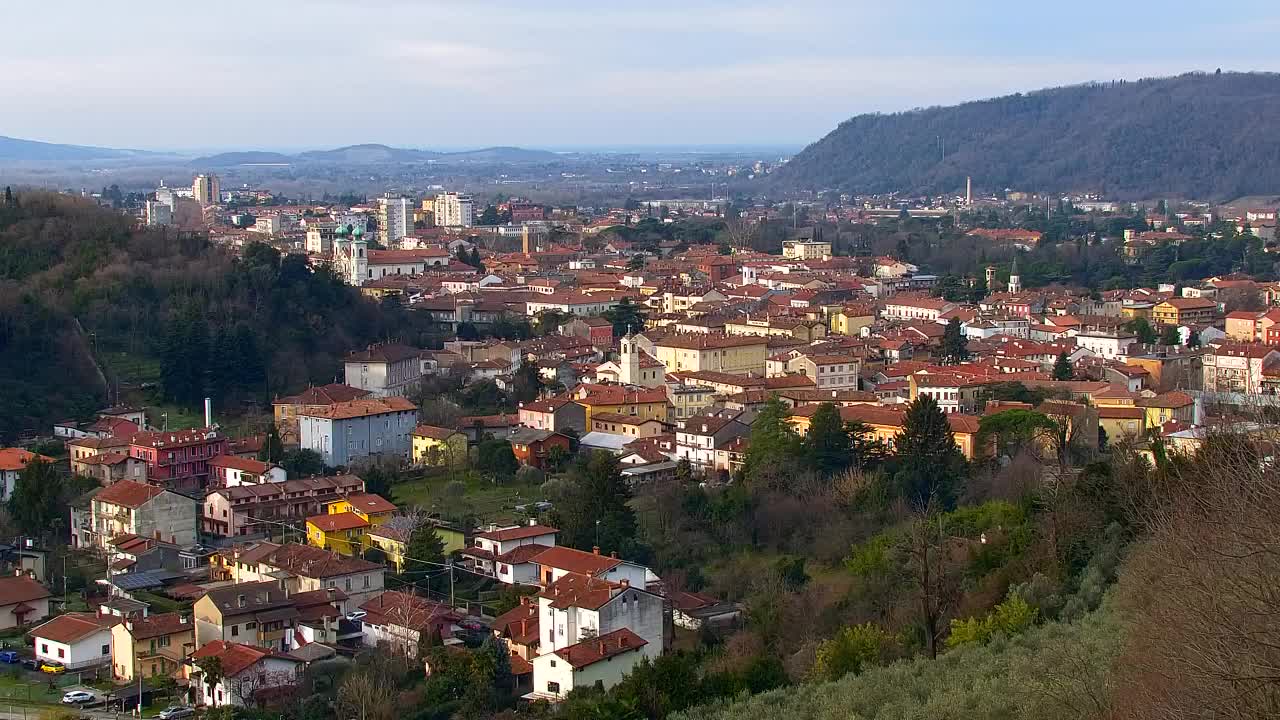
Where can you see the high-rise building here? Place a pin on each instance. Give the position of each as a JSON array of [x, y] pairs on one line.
[[159, 213], [395, 218], [206, 190], [454, 210]]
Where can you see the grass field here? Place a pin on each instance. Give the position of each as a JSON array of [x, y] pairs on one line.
[[487, 501]]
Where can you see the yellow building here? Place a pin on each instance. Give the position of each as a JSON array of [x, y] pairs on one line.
[[849, 320], [644, 403], [1180, 311], [1169, 406], [153, 646], [1120, 422], [393, 541], [438, 446], [737, 355], [345, 525]]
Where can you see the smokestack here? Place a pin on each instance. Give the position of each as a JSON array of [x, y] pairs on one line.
[[968, 190], [208, 412]]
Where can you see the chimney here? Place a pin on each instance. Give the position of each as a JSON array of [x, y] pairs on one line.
[[183, 620], [613, 554], [524, 600], [595, 549], [208, 412], [625, 583], [128, 625], [523, 627], [602, 647], [533, 521]]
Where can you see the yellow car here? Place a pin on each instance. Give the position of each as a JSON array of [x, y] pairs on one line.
[[53, 667]]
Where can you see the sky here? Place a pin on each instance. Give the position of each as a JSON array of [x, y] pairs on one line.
[[299, 74]]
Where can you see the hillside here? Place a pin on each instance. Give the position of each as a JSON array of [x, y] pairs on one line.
[[1196, 135], [246, 157], [368, 153], [374, 153], [19, 150]]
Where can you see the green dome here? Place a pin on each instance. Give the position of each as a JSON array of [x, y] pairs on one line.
[[358, 232], [342, 230]]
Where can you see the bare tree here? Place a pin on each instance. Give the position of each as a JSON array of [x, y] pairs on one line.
[[366, 694]]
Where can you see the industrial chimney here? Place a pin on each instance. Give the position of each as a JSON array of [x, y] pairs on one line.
[[208, 412]]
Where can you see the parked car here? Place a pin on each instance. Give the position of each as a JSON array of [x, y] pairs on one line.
[[355, 615], [31, 664], [176, 712], [75, 697], [53, 667], [10, 657]]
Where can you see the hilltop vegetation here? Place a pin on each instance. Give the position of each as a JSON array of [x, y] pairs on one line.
[[1196, 135], [79, 282]]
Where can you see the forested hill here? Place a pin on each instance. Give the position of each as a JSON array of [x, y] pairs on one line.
[[1214, 136], [79, 283]]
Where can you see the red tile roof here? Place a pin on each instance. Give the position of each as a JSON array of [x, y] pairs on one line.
[[158, 625], [589, 652], [235, 658], [324, 395], [20, 588], [17, 458], [362, 408], [336, 522], [518, 533], [256, 467], [370, 503], [73, 626], [127, 493]]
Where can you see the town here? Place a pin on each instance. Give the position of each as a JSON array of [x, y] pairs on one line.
[[515, 498]]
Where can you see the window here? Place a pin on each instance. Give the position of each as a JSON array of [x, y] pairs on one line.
[[106, 649], [235, 631], [553, 687], [553, 663], [163, 641], [366, 581], [250, 625], [44, 648], [62, 652]]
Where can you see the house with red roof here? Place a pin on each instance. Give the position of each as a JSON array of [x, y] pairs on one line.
[[22, 601], [77, 640], [12, 462], [132, 508], [249, 674], [506, 553]]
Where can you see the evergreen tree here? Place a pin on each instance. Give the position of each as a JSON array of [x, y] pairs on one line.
[[425, 546], [1140, 327], [35, 504], [774, 446], [1193, 339], [955, 347], [495, 459], [1062, 369], [475, 260], [272, 450], [525, 383], [626, 317], [826, 446], [931, 465], [593, 510], [1170, 336], [8, 195]]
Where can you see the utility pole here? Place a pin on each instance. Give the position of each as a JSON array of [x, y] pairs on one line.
[[452, 601]]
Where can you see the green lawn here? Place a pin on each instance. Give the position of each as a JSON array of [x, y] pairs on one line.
[[488, 501], [17, 688]]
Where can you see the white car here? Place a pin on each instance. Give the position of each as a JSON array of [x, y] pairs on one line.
[[75, 697], [356, 615]]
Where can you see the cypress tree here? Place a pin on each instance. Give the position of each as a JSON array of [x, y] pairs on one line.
[[931, 465]]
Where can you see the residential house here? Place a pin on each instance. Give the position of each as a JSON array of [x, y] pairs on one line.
[[248, 674], [130, 508], [1182, 311], [393, 536], [287, 409], [302, 569], [389, 369], [490, 549], [1237, 368], [536, 448], [1169, 406], [263, 615], [22, 601], [178, 459], [395, 620], [693, 611], [829, 372], [885, 424], [734, 354], [342, 529], [12, 462], [648, 403], [627, 425], [231, 471], [253, 509], [111, 467], [438, 446], [589, 663], [360, 429], [78, 640], [558, 413], [698, 438], [1122, 423], [151, 645], [954, 393]]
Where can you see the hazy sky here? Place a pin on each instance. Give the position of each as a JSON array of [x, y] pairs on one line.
[[421, 73]]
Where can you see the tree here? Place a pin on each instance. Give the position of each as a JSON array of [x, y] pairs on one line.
[[272, 450], [489, 216], [931, 465], [525, 383], [1193, 338], [301, 463], [593, 509], [626, 318], [825, 448], [853, 648], [495, 459], [955, 348], [36, 504], [1062, 369], [774, 445], [425, 547], [635, 263], [1170, 336], [211, 671], [1142, 328]]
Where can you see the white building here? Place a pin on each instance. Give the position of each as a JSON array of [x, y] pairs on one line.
[[385, 370], [267, 225], [1108, 345], [359, 429], [806, 250], [455, 210], [604, 660], [395, 218], [77, 640], [246, 671], [510, 548]]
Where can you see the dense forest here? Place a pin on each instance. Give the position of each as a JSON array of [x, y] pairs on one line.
[[84, 292], [1207, 136]]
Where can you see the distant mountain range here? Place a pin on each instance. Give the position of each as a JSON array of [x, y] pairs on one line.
[[378, 154], [18, 150], [1209, 136]]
